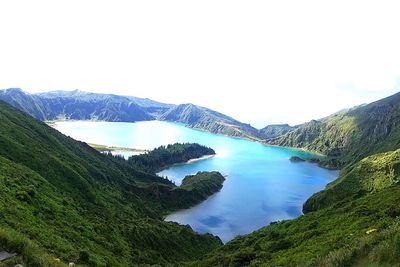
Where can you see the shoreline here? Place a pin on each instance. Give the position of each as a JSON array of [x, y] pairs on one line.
[[199, 159], [248, 138], [205, 157], [103, 148]]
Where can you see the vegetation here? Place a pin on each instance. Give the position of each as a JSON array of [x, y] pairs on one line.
[[62, 199], [73, 203], [355, 221], [203, 184], [209, 120], [371, 174], [103, 148], [352, 135], [165, 156], [194, 189], [272, 131], [330, 237]]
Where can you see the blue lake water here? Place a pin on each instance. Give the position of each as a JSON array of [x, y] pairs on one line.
[[261, 185]]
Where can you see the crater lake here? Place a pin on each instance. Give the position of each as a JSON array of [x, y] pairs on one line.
[[262, 185]]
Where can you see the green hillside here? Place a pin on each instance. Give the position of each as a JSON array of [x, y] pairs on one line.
[[62, 198], [371, 174], [209, 120], [275, 130], [355, 221], [366, 198], [349, 136]]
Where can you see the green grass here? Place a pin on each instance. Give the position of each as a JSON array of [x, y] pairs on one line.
[[350, 136], [334, 236], [333, 231], [371, 174], [76, 204], [62, 199]]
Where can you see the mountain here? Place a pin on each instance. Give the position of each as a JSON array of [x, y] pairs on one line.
[[361, 229], [149, 106], [351, 135], [75, 105], [61, 199], [80, 105], [28, 103], [369, 175], [274, 130], [355, 220], [209, 120]]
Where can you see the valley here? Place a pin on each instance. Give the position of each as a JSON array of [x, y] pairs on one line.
[[115, 202]]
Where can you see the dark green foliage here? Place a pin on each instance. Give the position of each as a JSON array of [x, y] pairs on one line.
[[369, 175], [194, 189], [77, 204], [334, 236], [164, 156], [200, 186], [149, 236]]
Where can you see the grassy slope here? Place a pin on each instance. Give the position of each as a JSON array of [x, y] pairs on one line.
[[275, 130], [334, 235], [209, 120], [353, 135], [365, 196], [371, 174], [77, 204]]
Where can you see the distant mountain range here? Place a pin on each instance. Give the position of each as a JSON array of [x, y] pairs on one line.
[[338, 134], [80, 105]]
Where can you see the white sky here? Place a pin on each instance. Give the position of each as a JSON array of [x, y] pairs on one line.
[[259, 61]]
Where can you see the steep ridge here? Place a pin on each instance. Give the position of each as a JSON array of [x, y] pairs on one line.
[[209, 120], [355, 221], [371, 174], [76, 204], [351, 135], [151, 107], [28, 103], [75, 105], [275, 130]]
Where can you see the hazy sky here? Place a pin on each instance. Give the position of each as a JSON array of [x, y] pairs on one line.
[[258, 61]]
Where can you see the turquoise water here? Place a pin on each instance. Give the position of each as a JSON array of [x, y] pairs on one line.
[[261, 185]]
